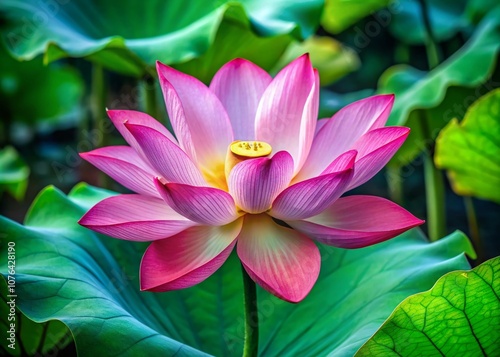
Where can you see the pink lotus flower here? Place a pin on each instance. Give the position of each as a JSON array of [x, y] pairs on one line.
[[248, 151]]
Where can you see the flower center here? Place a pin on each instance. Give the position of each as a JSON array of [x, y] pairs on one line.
[[251, 148]]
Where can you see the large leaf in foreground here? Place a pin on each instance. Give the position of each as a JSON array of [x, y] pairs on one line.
[[129, 39], [356, 289], [67, 273], [36, 339], [470, 151], [459, 316]]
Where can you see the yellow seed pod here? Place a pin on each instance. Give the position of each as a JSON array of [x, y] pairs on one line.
[[251, 149]]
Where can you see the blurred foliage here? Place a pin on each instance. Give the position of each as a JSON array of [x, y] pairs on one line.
[[426, 101], [234, 40], [477, 9], [332, 59], [470, 150], [340, 14], [377, 46], [331, 102], [171, 32], [100, 278], [37, 95], [446, 18], [457, 317], [13, 173]]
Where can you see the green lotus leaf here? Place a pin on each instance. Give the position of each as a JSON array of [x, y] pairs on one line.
[[340, 14], [446, 19], [437, 96], [56, 98], [13, 173], [34, 338], [477, 9], [129, 39], [459, 316], [90, 283], [470, 150], [332, 59]]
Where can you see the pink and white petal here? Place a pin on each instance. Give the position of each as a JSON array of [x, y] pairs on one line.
[[123, 164], [287, 113], [309, 122], [357, 221], [120, 117], [198, 118], [135, 217], [239, 85], [341, 132], [310, 197], [375, 149], [205, 205], [283, 261], [167, 158], [254, 184], [187, 258], [320, 123], [340, 163]]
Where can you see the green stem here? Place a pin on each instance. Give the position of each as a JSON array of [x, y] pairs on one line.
[[251, 346], [434, 188], [435, 198], [474, 227], [98, 110], [98, 102], [39, 349], [6, 129], [434, 180], [395, 184], [18, 334], [402, 54], [148, 97], [433, 55]]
